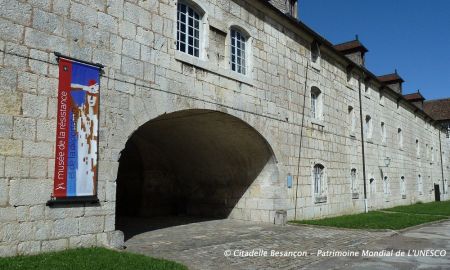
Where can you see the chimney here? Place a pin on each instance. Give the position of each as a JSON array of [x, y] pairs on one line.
[[393, 81], [354, 50], [288, 7], [416, 99]]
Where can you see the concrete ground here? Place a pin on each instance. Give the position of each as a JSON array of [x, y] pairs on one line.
[[231, 244]]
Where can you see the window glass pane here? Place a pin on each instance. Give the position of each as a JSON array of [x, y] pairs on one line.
[[188, 30], [237, 52]]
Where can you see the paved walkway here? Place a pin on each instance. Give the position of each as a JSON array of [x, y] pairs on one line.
[[202, 245]]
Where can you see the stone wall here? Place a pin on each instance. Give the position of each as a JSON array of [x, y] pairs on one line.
[[146, 77]]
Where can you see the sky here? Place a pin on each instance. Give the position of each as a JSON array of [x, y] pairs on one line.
[[412, 36]]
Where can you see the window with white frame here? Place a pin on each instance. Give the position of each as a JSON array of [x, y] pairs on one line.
[[400, 138], [354, 185], [403, 186], [188, 30], [319, 181], [352, 119], [445, 187], [316, 103], [368, 127], [386, 185], [238, 51], [419, 184], [383, 132]]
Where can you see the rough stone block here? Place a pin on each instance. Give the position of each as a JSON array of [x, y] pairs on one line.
[[8, 214], [29, 248], [17, 167], [34, 106], [46, 130], [88, 240], [10, 103], [47, 22], [30, 191], [38, 149], [16, 11], [83, 14], [131, 48], [93, 224], [38, 167], [66, 227], [2, 166], [37, 212], [10, 147], [116, 239], [44, 230], [24, 128], [23, 213], [54, 245], [27, 82], [8, 250], [61, 7], [11, 31]]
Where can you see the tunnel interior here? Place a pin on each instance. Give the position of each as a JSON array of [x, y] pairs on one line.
[[193, 163]]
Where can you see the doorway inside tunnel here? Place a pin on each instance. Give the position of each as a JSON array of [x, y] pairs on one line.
[[188, 166]]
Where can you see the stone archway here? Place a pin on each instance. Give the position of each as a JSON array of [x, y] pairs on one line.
[[198, 163]]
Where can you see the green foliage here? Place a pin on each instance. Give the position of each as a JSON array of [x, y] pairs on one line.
[[393, 218], [88, 258]]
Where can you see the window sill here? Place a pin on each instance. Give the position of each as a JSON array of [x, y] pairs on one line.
[[194, 61], [317, 122], [355, 195], [316, 65], [320, 199]]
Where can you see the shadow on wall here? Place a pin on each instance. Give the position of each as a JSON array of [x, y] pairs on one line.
[[195, 163]]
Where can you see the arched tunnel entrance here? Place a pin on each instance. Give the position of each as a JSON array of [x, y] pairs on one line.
[[192, 163]]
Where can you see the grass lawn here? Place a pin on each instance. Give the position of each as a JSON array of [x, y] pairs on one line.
[[433, 208], [88, 259], [393, 218]]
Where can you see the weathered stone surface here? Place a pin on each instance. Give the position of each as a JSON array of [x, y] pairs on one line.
[[16, 11], [95, 224], [88, 240], [34, 106], [54, 245], [17, 167], [24, 128], [10, 147], [115, 239], [66, 227], [30, 191], [29, 248], [10, 103], [38, 149]]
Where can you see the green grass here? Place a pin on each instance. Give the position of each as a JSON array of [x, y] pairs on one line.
[[88, 259], [434, 208], [399, 217]]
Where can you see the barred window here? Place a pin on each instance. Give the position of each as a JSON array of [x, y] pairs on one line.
[[238, 42], [188, 30]]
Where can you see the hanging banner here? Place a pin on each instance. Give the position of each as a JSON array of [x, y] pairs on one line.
[[77, 130]]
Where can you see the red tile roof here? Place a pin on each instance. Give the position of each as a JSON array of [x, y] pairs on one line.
[[438, 109], [390, 78], [351, 46], [414, 96]]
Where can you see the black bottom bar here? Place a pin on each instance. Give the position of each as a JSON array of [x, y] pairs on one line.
[[73, 200]]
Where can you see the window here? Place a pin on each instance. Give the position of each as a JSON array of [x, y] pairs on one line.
[[188, 30], [319, 182], [417, 148], [316, 102], [432, 154], [354, 185], [381, 98], [427, 152], [386, 185], [403, 187], [419, 184], [400, 138], [373, 187], [383, 132], [238, 41], [352, 119], [445, 187], [368, 127], [291, 6], [315, 52]]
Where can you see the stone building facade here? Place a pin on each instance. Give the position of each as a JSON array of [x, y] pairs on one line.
[[295, 131]]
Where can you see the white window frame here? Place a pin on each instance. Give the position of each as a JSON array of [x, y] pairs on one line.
[[354, 181], [197, 18], [372, 186], [237, 35]]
